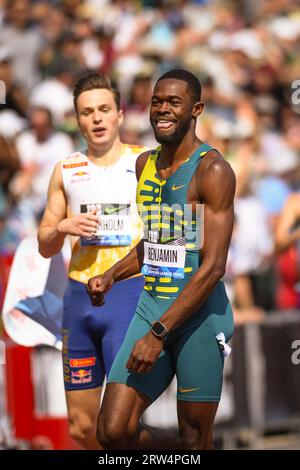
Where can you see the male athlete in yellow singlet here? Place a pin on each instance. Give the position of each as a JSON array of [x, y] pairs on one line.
[[92, 198]]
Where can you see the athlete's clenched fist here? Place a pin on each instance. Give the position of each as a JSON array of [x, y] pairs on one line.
[[97, 286]]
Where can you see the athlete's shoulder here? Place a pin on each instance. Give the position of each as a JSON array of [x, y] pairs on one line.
[[215, 178], [213, 162]]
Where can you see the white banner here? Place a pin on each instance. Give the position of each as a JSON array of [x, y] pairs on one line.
[[30, 275]]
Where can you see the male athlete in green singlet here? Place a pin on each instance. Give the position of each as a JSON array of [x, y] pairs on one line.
[[183, 319]]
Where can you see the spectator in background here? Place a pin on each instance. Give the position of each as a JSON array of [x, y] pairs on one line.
[[55, 94], [106, 47], [136, 125], [276, 182], [250, 272], [287, 238], [50, 22], [140, 93], [9, 165], [39, 148], [15, 98], [24, 40], [249, 260], [65, 53]]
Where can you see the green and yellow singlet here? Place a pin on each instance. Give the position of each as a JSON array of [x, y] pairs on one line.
[[173, 232]]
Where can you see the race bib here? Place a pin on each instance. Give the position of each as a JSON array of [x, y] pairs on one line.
[[164, 260], [114, 225]]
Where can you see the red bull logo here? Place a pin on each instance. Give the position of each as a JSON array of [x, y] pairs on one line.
[[81, 173], [81, 376], [81, 373], [80, 176]]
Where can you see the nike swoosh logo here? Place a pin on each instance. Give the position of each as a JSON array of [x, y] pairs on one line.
[[129, 171], [109, 211], [186, 390], [166, 240], [174, 187]]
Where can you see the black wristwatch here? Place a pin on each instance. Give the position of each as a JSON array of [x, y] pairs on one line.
[[158, 329]]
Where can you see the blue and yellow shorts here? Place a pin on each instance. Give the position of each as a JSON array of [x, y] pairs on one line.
[[92, 336]]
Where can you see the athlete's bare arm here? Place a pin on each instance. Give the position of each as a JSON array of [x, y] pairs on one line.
[[287, 233], [55, 224], [128, 266], [215, 187]]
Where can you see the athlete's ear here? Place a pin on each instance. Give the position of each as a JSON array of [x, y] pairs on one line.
[[121, 117], [197, 109]]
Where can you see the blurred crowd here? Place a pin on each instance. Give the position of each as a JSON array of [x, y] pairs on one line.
[[246, 54]]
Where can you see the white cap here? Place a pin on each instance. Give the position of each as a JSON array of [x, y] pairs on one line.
[[248, 42], [284, 161], [5, 53], [222, 128], [11, 123], [244, 129], [285, 28]]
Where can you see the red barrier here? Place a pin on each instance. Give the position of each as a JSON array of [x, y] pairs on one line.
[[5, 264]]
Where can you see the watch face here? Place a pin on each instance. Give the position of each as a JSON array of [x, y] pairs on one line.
[[158, 328]]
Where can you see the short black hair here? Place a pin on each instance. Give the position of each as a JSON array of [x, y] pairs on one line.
[[95, 80], [193, 83]]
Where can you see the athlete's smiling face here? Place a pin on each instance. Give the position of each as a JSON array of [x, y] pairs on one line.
[[98, 117], [172, 110]]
